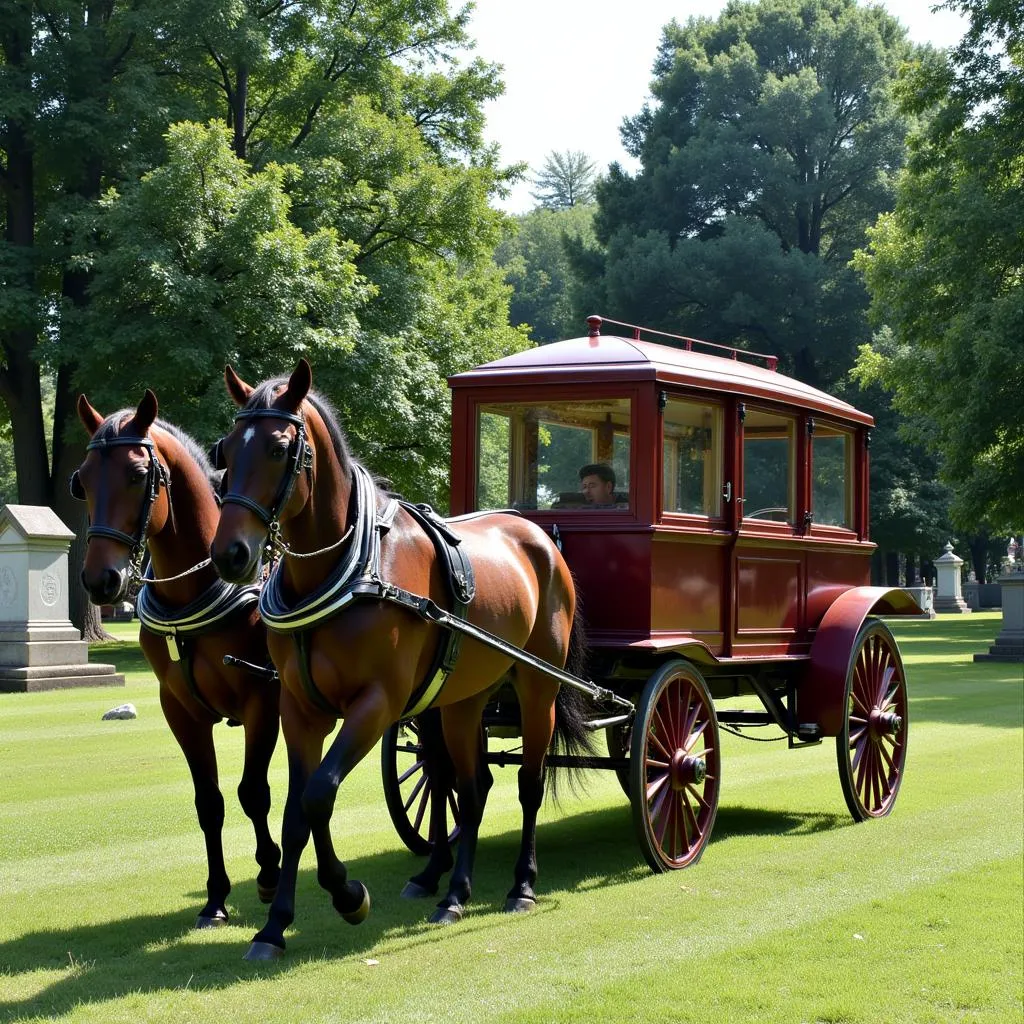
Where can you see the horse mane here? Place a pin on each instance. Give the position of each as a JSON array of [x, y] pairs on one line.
[[111, 427], [263, 398]]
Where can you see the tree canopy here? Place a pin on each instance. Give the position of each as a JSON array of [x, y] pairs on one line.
[[565, 180], [945, 270], [537, 266], [771, 145]]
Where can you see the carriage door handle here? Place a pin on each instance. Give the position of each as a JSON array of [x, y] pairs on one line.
[[727, 491]]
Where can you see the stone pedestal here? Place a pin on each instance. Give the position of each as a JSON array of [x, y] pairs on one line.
[[948, 597], [982, 596], [39, 647], [1009, 645], [924, 598]]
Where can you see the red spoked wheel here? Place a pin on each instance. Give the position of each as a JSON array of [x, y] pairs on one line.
[[872, 747], [675, 767], [409, 791]]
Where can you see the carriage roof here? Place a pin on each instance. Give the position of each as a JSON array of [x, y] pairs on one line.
[[603, 359]]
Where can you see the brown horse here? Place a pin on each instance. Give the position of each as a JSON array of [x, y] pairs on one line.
[[148, 484], [344, 652]]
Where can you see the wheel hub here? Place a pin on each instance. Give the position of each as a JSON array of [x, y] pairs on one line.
[[686, 770], [886, 723]]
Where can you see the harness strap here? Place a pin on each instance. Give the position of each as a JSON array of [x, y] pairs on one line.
[[185, 654], [313, 693]]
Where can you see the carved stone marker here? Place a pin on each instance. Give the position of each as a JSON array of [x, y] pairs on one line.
[[948, 595], [39, 647], [1009, 645]]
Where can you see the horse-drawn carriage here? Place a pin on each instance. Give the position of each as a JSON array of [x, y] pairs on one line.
[[724, 552], [734, 560]]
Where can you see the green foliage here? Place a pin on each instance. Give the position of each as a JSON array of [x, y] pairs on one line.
[[340, 211], [565, 180], [944, 271], [770, 148], [536, 264]]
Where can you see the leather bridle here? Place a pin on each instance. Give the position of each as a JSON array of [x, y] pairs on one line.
[[300, 457], [156, 477]]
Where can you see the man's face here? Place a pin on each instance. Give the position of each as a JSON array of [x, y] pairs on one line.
[[597, 491]]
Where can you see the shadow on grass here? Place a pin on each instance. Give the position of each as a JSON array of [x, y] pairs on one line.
[[159, 952]]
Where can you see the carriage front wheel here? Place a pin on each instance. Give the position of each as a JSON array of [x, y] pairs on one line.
[[675, 767], [872, 746], [409, 791]]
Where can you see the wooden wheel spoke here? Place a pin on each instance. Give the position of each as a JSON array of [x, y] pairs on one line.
[[865, 710], [858, 735], [418, 766], [695, 828], [662, 765], [660, 815], [421, 809], [453, 806], [694, 736], [653, 738], [698, 796], [420, 783], [656, 785]]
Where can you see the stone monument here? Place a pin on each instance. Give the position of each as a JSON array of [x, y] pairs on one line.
[[39, 647], [1009, 645], [948, 596]]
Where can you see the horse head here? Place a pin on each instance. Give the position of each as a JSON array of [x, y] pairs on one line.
[[268, 458], [123, 484]]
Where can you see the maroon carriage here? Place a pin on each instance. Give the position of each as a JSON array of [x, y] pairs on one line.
[[714, 513]]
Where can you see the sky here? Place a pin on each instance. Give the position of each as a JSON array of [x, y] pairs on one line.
[[573, 69]]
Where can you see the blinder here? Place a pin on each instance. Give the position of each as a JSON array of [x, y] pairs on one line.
[[216, 455], [75, 487]]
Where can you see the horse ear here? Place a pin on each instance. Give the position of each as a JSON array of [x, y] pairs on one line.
[[299, 384], [90, 418], [237, 388], [145, 414]]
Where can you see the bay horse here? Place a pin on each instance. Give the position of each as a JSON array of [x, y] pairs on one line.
[[149, 485], [344, 651]]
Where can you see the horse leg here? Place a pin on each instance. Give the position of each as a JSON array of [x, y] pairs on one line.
[[464, 739], [254, 794], [305, 740], [366, 719], [196, 742], [438, 770], [537, 706]]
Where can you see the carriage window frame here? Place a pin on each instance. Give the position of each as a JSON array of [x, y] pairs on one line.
[[823, 429], [714, 462], [786, 426], [518, 465]]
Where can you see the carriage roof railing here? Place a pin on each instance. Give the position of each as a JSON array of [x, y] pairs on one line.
[[594, 324]]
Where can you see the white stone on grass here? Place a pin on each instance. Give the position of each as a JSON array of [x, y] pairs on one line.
[[121, 711]]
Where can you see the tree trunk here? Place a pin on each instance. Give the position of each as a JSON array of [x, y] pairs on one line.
[[892, 569]]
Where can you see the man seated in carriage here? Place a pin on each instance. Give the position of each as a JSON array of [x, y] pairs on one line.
[[597, 484]]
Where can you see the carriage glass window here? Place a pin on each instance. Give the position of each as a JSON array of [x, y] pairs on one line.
[[831, 474], [692, 458], [529, 454], [768, 478]]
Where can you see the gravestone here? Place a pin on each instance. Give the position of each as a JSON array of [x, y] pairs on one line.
[[1009, 645], [924, 598], [39, 647], [948, 596]]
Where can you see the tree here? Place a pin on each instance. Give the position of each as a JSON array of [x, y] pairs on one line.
[[536, 264], [772, 145], [944, 270], [565, 180], [355, 127]]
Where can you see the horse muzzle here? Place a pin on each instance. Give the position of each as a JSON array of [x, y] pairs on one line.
[[108, 586], [237, 562]]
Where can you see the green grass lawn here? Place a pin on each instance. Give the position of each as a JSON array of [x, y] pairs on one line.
[[794, 914]]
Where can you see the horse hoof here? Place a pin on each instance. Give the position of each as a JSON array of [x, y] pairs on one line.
[[519, 905], [415, 891], [216, 920], [263, 951], [447, 915], [265, 893], [359, 915]]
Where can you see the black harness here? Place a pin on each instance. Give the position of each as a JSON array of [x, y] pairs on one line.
[[156, 477], [357, 573]]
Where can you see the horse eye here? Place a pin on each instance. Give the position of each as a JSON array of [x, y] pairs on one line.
[[278, 452]]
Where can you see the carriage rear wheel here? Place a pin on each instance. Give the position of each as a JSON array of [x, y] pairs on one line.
[[872, 747], [409, 791], [617, 738], [675, 767]]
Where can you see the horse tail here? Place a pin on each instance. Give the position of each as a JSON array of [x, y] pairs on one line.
[[573, 710]]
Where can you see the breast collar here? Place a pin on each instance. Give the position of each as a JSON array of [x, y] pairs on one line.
[[356, 574], [202, 615]]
